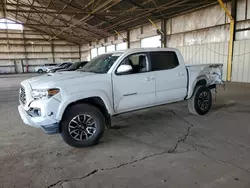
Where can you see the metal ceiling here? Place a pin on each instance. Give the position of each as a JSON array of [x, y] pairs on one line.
[[82, 21]]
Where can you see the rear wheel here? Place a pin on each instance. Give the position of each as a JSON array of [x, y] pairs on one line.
[[82, 125], [201, 101]]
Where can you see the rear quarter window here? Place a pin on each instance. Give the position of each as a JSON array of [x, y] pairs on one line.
[[163, 60]]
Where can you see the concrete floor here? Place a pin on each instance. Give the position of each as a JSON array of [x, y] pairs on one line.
[[161, 147]]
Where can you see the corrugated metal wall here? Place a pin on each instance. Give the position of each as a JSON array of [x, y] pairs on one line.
[[218, 53], [203, 35], [28, 48], [206, 53], [241, 61]]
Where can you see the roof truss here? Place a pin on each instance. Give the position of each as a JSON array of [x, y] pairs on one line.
[[82, 21]]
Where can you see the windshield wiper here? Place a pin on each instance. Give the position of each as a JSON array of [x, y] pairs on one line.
[[88, 71], [82, 70]]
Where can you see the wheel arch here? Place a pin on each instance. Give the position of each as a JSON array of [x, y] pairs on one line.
[[95, 101], [101, 101], [40, 70], [201, 80]]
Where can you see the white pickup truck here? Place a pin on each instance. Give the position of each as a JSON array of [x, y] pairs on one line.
[[79, 104]]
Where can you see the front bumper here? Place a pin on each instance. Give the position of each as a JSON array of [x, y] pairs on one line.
[[48, 125]]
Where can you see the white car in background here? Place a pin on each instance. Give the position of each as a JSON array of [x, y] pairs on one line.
[[45, 68], [59, 67]]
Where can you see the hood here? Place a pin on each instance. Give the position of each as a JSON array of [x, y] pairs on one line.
[[61, 70], [51, 79], [56, 68], [49, 68]]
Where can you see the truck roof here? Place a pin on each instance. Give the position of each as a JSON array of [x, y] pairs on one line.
[[146, 50]]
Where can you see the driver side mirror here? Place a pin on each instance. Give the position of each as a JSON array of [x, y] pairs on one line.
[[124, 69]]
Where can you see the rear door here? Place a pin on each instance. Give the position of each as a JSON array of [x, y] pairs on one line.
[[171, 76]]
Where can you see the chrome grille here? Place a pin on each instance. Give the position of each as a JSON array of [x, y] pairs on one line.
[[22, 96]]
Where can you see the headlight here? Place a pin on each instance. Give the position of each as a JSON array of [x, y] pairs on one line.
[[40, 93]]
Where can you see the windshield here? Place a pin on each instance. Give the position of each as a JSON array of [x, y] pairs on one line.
[[75, 65], [50, 64], [62, 64], [101, 64]]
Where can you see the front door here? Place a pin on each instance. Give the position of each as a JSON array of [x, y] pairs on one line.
[[136, 89]]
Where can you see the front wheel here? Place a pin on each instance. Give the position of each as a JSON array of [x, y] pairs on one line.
[[201, 101], [82, 125], [40, 71]]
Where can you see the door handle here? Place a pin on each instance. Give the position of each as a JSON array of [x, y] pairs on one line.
[[150, 78], [180, 74]]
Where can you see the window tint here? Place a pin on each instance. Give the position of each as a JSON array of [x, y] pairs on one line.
[[163, 60], [135, 59], [138, 63], [67, 65], [62, 64], [50, 64]]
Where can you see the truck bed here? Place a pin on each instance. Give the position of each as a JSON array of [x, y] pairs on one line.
[[211, 73]]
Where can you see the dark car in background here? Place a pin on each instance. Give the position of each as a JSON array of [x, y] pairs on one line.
[[60, 66], [74, 66]]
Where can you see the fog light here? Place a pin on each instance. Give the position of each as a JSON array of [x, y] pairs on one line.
[[34, 112], [38, 112]]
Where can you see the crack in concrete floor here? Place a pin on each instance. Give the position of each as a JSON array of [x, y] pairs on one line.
[[218, 160], [182, 139], [172, 150]]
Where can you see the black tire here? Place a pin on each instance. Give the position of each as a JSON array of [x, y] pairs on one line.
[[201, 101], [40, 71], [82, 110]]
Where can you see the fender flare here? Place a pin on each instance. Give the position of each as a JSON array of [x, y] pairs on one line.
[[74, 97], [192, 87]]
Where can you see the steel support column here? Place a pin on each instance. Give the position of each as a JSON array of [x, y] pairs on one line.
[[160, 31], [156, 26], [80, 52], [231, 40], [25, 52], [164, 36], [53, 51], [128, 39]]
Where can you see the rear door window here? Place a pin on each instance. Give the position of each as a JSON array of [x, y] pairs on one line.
[[51, 64], [163, 60]]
